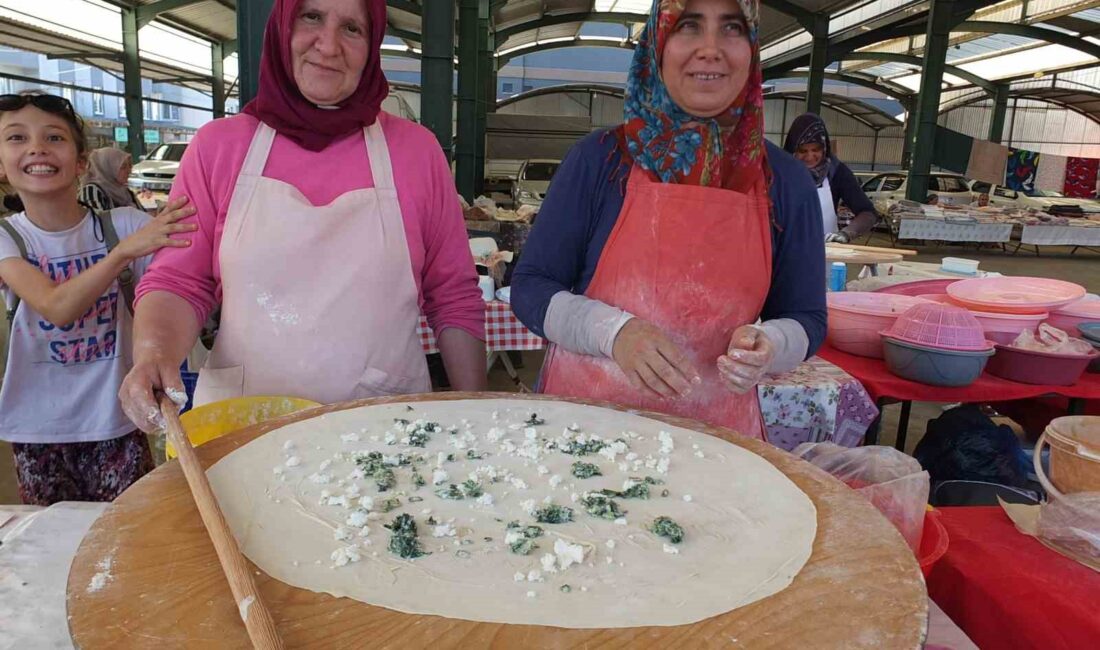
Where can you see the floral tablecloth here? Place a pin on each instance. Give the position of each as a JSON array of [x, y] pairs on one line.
[[816, 402]]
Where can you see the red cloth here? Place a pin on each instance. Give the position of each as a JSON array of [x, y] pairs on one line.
[[880, 382], [1081, 177], [281, 106], [1006, 590]]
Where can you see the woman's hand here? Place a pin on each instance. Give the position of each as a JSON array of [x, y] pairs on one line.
[[157, 233], [137, 394], [838, 237], [652, 363], [747, 360]]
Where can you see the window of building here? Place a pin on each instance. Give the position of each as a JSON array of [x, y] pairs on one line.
[[506, 87], [97, 102], [68, 94]]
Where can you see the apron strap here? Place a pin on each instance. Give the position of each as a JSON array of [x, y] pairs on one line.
[[256, 158], [379, 154]]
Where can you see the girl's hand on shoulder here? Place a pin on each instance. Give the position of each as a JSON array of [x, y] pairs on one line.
[[158, 232]]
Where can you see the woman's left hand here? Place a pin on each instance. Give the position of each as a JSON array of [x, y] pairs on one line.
[[747, 360]]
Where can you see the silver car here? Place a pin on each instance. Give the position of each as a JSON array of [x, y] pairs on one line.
[[156, 171], [533, 181]]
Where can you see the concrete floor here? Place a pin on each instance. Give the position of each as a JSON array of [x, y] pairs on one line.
[[1053, 262]]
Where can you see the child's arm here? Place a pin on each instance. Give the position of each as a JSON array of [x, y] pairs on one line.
[[64, 302]]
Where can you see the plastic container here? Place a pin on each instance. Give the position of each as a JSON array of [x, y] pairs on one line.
[[959, 265], [918, 287], [1068, 318], [1033, 367], [1095, 365], [933, 542], [1074, 455], [1015, 295], [856, 318], [933, 366], [209, 421], [838, 276], [994, 323], [940, 326], [1090, 331]]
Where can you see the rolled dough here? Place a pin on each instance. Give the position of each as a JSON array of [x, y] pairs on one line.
[[748, 529]]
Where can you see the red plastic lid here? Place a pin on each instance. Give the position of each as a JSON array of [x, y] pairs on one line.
[[1083, 308], [940, 326]]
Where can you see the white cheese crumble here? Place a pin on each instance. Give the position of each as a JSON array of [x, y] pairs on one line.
[[495, 434], [277, 470], [321, 479], [568, 554], [555, 481], [342, 556], [530, 594], [671, 550], [610, 544], [534, 575], [440, 476], [341, 534], [293, 461], [366, 503], [357, 519], [444, 530], [548, 562], [666, 442], [699, 454], [543, 470], [518, 483], [687, 498], [519, 577], [662, 466], [389, 438], [288, 445], [485, 500], [324, 465], [621, 521], [350, 437]]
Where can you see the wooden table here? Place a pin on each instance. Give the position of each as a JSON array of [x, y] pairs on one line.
[[860, 588]]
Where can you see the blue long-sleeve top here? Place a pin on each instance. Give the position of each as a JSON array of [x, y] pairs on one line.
[[584, 202]]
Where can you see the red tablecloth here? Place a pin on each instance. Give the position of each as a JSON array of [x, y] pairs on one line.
[[503, 331], [880, 382], [1006, 590]]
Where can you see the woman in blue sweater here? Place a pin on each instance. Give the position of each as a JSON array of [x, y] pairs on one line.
[[664, 241]]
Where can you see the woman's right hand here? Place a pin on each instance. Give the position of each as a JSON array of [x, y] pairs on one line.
[[137, 394], [157, 233], [652, 363]]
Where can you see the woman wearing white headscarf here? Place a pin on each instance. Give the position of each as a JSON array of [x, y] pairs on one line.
[[104, 184]]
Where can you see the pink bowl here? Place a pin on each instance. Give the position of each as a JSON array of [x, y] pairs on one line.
[[940, 326], [941, 298], [993, 322], [856, 318], [1015, 295], [918, 287], [1069, 317]]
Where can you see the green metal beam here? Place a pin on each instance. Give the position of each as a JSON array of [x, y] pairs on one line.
[[217, 79], [819, 60], [405, 5], [835, 102], [1000, 108], [403, 34], [251, 21], [80, 56], [891, 57], [468, 90], [229, 48], [936, 41], [503, 35], [803, 16], [437, 72], [503, 59], [146, 13], [131, 65], [486, 92], [1031, 31], [902, 94]]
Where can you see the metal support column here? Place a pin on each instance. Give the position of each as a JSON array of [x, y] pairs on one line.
[[940, 22], [217, 74], [910, 133], [1000, 107], [437, 72], [131, 66], [251, 19], [487, 90], [819, 60], [874, 149], [468, 91]]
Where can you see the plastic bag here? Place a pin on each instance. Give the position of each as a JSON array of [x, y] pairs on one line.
[[486, 205], [1072, 523], [1051, 340], [893, 482]]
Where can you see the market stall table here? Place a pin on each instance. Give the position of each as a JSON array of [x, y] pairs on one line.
[[167, 585], [938, 230], [1006, 590], [1085, 235], [885, 387]]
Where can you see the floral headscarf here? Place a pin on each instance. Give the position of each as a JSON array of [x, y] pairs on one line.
[[810, 129], [676, 147]]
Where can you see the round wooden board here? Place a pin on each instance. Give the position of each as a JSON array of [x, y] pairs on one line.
[[861, 587]]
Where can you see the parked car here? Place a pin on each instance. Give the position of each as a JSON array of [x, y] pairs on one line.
[[156, 171], [885, 188], [1045, 200], [533, 181]]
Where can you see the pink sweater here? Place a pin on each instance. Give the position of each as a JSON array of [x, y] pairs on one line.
[[438, 245]]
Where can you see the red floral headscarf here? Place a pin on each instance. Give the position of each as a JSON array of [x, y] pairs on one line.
[[660, 137], [280, 104]]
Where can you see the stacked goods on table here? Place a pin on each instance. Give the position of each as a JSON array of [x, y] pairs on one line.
[[965, 214]]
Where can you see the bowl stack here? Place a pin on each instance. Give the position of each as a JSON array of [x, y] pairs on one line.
[[936, 344]]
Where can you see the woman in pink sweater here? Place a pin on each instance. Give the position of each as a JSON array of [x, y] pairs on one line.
[[325, 228]]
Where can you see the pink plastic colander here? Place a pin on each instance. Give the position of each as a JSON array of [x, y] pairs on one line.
[[940, 326]]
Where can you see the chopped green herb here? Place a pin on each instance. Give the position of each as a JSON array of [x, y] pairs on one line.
[[403, 542], [450, 492], [639, 489], [467, 542], [566, 589], [384, 479], [390, 504], [650, 480], [590, 446], [523, 537], [408, 408], [462, 554], [600, 505], [450, 458], [402, 421], [418, 480], [419, 438], [665, 527], [472, 488], [471, 454], [554, 514], [586, 470], [488, 539], [534, 420], [523, 546], [415, 499], [432, 521]]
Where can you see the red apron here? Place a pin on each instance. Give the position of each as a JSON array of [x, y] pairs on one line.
[[695, 262]]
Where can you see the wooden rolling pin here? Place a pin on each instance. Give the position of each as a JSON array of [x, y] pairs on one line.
[[872, 249], [257, 619]]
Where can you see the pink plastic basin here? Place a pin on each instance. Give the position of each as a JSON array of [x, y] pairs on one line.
[[856, 318], [993, 322], [918, 287], [1015, 295], [1033, 367], [1069, 317]]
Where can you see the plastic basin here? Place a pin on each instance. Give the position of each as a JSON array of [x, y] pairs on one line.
[[856, 318], [1070, 317], [918, 287], [940, 326], [1041, 368], [209, 421], [1015, 295], [933, 542], [933, 366], [993, 323]]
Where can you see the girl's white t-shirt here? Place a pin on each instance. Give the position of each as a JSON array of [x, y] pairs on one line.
[[61, 383]]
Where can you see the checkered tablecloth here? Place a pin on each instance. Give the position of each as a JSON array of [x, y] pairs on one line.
[[1061, 235], [943, 231], [503, 331]]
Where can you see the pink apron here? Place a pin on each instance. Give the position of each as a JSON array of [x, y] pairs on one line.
[[317, 301], [695, 262]]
